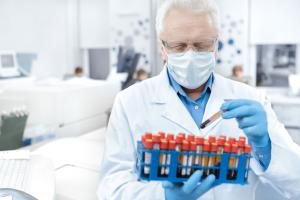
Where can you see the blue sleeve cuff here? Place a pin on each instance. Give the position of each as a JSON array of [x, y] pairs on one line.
[[263, 155]]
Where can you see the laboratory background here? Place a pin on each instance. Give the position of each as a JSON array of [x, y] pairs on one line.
[[62, 63]]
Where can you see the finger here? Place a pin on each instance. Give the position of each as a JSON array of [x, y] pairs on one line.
[[206, 185], [167, 184], [239, 112], [246, 122], [192, 182], [229, 105]]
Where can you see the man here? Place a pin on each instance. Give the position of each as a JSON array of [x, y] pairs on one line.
[[186, 93]]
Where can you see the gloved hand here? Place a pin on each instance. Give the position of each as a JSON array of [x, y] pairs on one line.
[[191, 189], [251, 117]]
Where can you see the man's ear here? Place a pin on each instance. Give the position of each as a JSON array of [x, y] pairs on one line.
[[163, 54]]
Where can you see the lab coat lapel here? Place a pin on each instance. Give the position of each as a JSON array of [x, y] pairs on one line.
[[172, 107], [214, 103]]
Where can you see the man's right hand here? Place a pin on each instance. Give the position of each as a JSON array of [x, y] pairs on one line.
[[191, 189]]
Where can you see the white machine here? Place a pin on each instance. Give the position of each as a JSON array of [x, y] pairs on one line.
[[8, 64], [64, 108]]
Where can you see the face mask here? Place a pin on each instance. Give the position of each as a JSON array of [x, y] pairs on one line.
[[191, 69]]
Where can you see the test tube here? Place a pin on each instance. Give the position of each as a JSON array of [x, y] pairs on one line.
[[212, 157], [220, 151], [170, 136], [184, 158], [211, 139], [232, 140], [178, 148], [163, 156], [191, 138], [183, 135], [172, 145], [147, 156], [221, 142], [191, 158], [206, 149], [232, 162], [199, 141], [162, 134], [247, 151], [156, 141]]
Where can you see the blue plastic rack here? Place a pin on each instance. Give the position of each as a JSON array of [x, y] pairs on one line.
[[221, 172]]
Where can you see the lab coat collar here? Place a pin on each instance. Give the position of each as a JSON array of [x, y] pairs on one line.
[[174, 110]]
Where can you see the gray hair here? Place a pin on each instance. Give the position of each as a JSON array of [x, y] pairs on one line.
[[201, 6]]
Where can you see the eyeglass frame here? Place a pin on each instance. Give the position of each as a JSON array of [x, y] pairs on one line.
[[171, 49]]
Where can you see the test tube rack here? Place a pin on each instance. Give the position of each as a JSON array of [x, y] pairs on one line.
[[221, 177]]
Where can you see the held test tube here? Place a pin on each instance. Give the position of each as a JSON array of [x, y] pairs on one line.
[[172, 145], [191, 158]]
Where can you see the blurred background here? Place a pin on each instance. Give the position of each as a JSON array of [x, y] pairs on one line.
[[62, 62]]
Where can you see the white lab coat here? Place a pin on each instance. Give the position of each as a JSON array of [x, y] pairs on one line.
[[153, 105]]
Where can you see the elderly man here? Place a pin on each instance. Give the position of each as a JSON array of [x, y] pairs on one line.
[[186, 93]]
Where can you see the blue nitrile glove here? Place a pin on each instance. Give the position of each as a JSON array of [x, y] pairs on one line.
[[191, 189], [251, 117]]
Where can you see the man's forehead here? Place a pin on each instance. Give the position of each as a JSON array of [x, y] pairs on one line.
[[184, 25]]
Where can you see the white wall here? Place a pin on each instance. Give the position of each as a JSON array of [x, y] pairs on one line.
[[94, 23], [43, 27]]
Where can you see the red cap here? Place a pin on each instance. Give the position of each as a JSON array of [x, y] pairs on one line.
[[199, 140], [179, 139], [221, 141], [231, 140], [163, 144], [144, 139], [227, 147], [242, 138], [172, 144], [191, 138], [206, 146], [247, 148], [148, 135], [212, 139], [241, 143], [170, 136], [234, 148], [214, 147], [185, 145], [193, 146], [156, 138], [148, 144], [183, 134], [162, 134], [223, 137]]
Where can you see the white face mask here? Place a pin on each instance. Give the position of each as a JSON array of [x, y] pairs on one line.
[[191, 69]]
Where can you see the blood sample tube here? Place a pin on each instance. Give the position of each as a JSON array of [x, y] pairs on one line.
[[156, 141], [191, 138], [199, 141], [179, 139], [221, 142], [247, 151], [205, 157], [172, 145], [162, 134], [232, 162], [183, 134], [170, 136], [191, 158], [211, 139], [212, 157], [147, 156], [231, 140], [163, 157], [184, 158]]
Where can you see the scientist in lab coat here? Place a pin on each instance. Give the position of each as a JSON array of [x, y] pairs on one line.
[[183, 95]]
